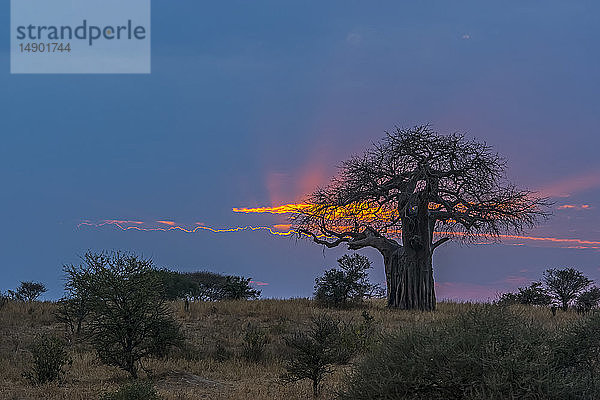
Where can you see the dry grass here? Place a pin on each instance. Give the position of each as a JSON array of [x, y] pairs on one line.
[[196, 371]]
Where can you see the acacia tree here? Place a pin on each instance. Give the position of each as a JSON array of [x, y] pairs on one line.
[[129, 316], [348, 283], [411, 192], [28, 291], [565, 284]]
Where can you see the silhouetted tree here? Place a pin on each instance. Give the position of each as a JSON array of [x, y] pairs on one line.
[[205, 286], [238, 288], [412, 184], [589, 299], [338, 287], [28, 291], [177, 285], [534, 294], [130, 318], [565, 284]]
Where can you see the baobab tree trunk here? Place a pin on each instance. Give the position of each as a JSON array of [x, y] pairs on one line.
[[410, 283], [409, 268]]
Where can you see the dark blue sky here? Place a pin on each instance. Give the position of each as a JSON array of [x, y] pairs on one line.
[[254, 103]]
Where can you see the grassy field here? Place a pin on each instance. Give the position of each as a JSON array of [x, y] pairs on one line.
[[210, 366]]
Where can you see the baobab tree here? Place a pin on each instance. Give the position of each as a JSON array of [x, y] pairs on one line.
[[411, 192]]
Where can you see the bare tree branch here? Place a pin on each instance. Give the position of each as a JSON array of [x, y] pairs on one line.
[[459, 184]]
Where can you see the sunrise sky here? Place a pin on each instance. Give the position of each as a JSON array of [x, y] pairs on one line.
[[253, 104]]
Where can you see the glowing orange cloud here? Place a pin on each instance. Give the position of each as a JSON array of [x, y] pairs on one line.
[[285, 230], [284, 209], [170, 223], [283, 227], [561, 242]]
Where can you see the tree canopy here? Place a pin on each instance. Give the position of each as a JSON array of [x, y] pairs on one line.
[[461, 182], [409, 193]]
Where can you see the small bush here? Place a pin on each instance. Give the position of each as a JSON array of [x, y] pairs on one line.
[[576, 355], [255, 341], [366, 332], [49, 359], [3, 300], [486, 353], [534, 295], [133, 391], [589, 299], [221, 353], [314, 352]]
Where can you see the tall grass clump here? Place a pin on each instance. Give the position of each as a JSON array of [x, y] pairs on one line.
[[487, 352]]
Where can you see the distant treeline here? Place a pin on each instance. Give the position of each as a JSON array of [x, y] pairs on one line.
[[205, 286]]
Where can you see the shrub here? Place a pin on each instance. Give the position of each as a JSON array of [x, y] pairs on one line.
[[238, 288], [565, 284], [366, 332], [589, 299], [487, 352], [133, 391], [130, 317], [314, 352], [255, 340], [349, 283], [534, 294], [27, 291], [49, 359], [3, 300], [205, 286], [221, 353], [576, 354]]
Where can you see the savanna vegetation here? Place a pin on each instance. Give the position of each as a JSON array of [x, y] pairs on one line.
[[123, 332]]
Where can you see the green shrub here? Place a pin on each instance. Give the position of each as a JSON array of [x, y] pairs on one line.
[[577, 356], [347, 284], [136, 390], [534, 294], [255, 341], [3, 300], [313, 352], [129, 317], [221, 353], [589, 299], [486, 353], [49, 359]]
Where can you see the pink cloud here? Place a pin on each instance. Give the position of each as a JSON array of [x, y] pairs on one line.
[[465, 291], [569, 186], [574, 207]]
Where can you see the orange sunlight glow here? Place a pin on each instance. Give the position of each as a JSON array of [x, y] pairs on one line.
[[285, 229], [574, 207]]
